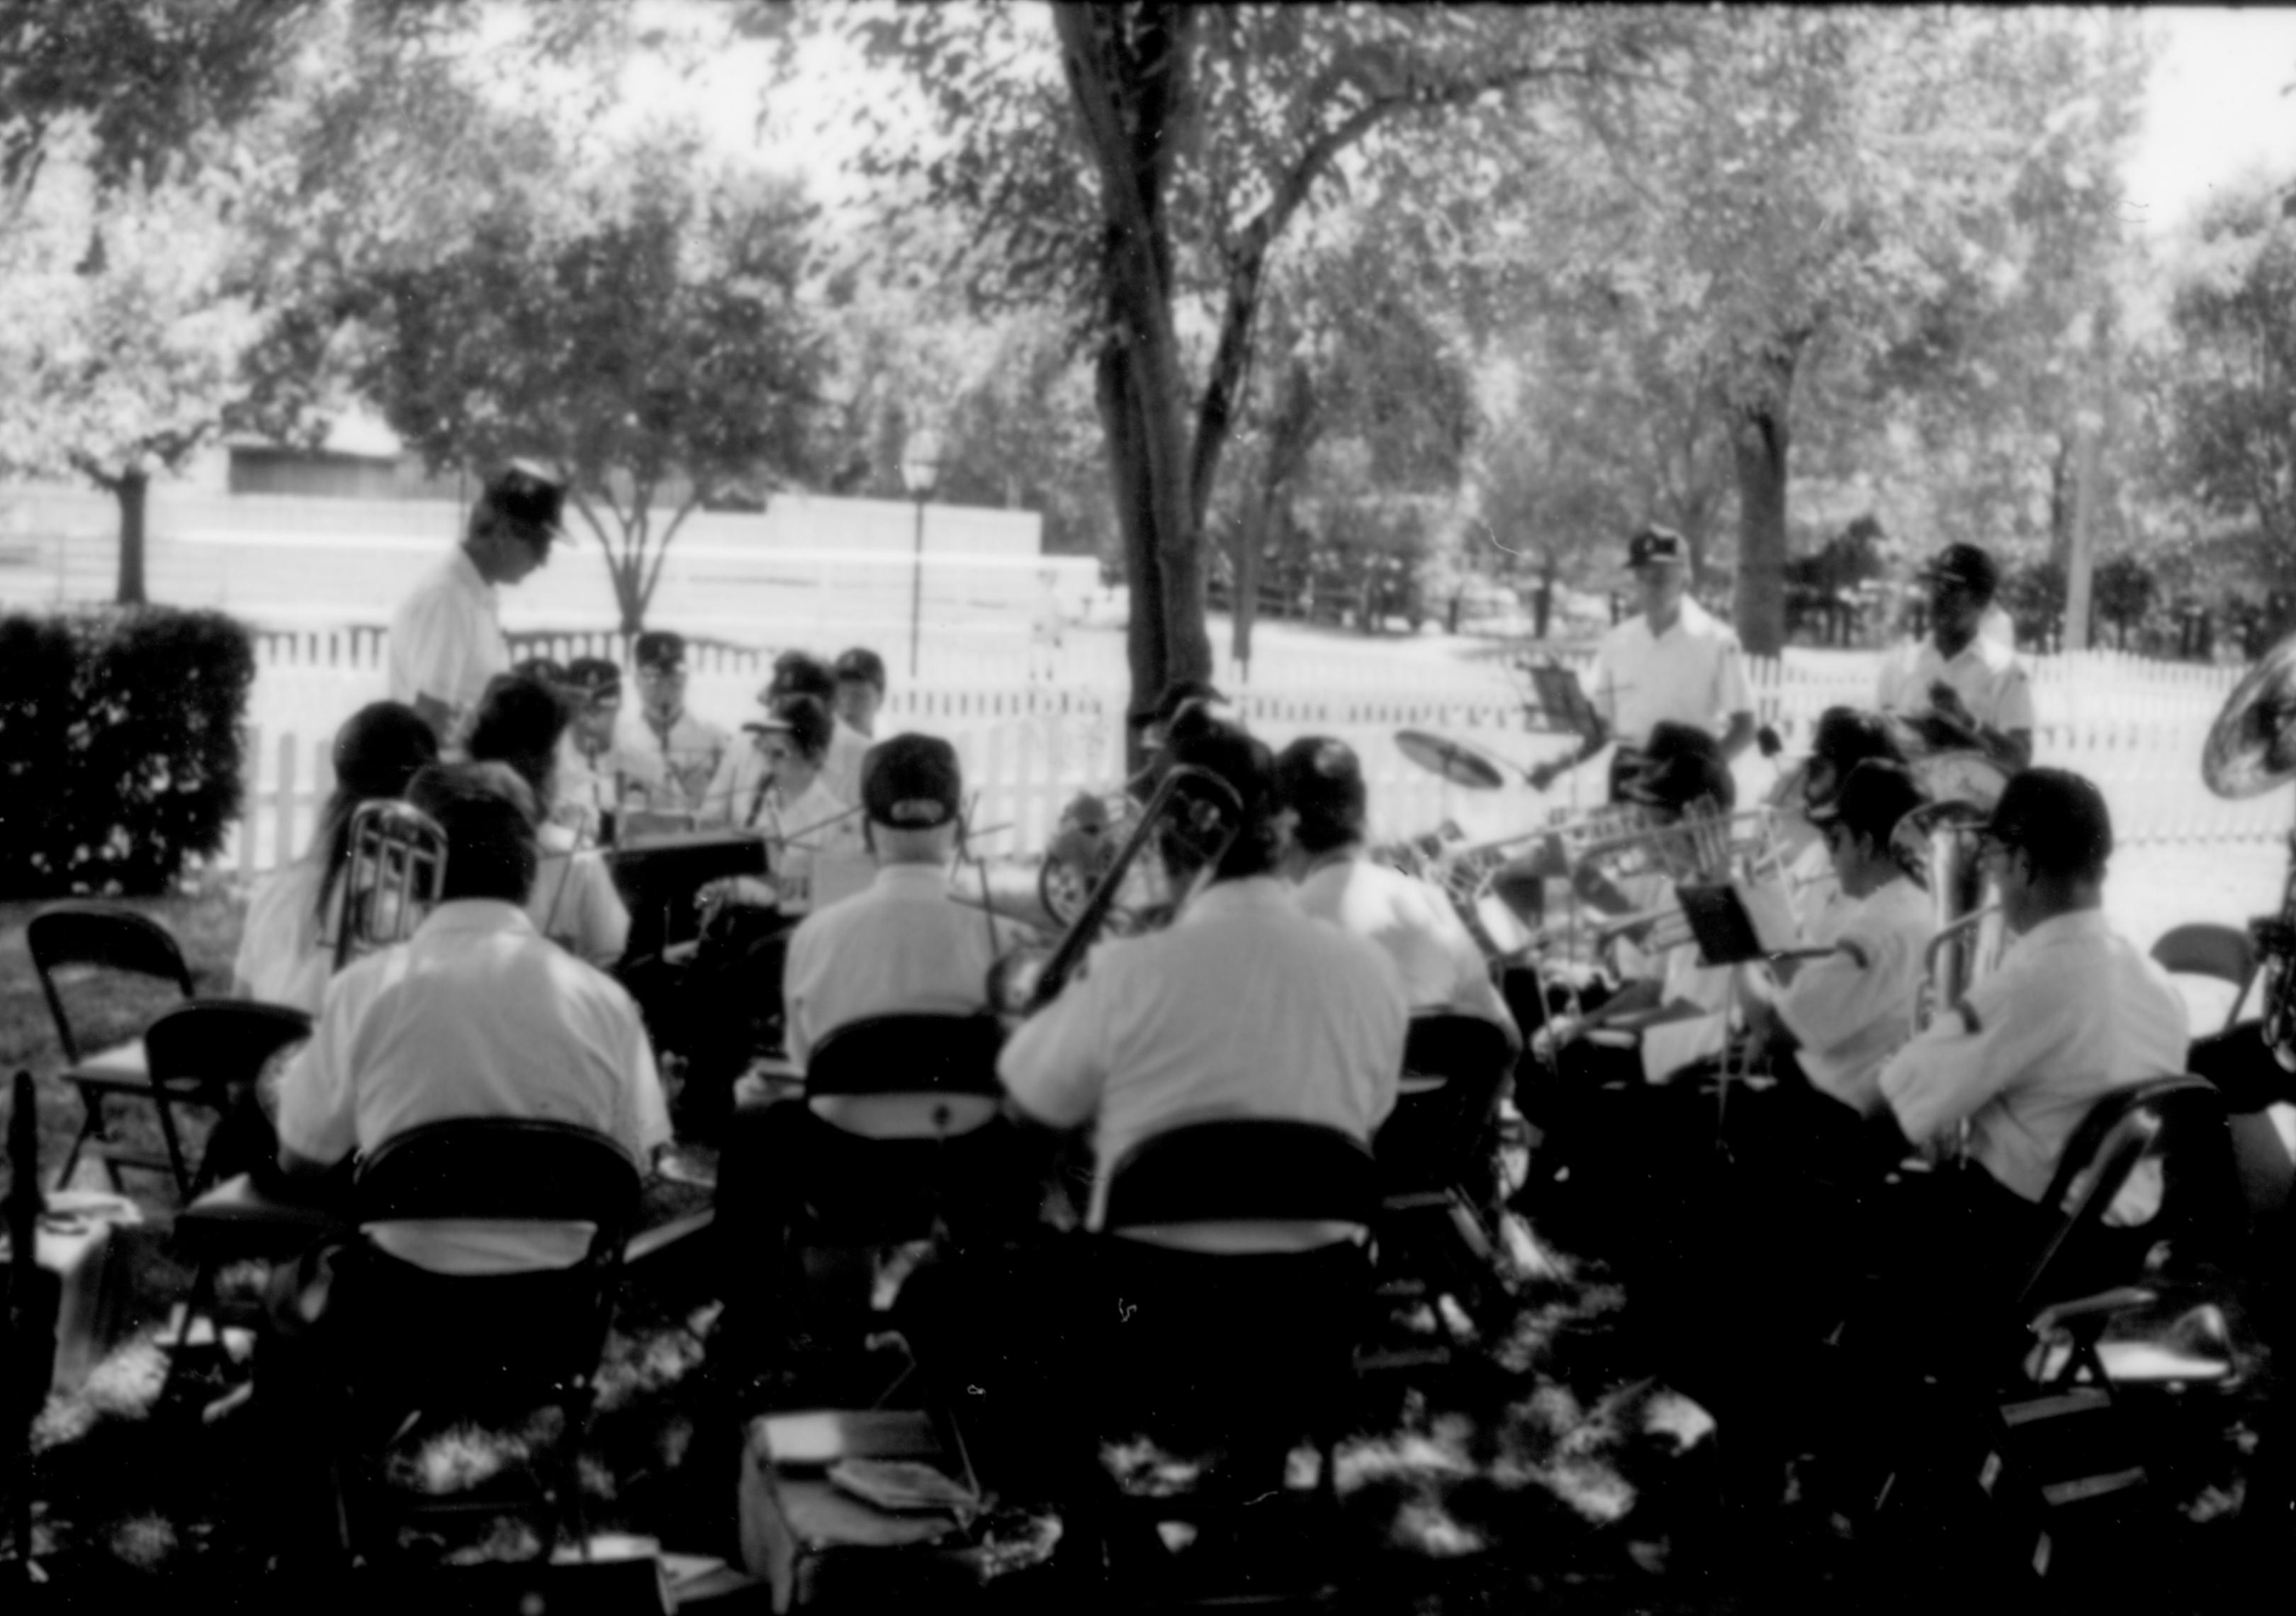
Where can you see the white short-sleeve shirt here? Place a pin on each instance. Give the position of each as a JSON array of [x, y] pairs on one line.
[[1242, 1008], [2072, 1010], [284, 957], [1988, 676], [574, 901], [674, 763], [476, 1016], [1693, 674], [1441, 967], [1852, 1010], [446, 637]]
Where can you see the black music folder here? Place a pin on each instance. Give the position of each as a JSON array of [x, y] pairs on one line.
[[1727, 931], [661, 879], [1558, 705]]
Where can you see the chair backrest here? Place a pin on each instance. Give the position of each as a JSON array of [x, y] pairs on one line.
[[220, 1041], [1443, 1044], [2205, 949], [1243, 1169], [500, 1168], [916, 1076], [2179, 1121], [109, 936]]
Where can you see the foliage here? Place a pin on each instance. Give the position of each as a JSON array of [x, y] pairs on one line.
[[120, 755], [649, 344]]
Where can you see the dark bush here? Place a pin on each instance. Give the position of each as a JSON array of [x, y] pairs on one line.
[[119, 747]]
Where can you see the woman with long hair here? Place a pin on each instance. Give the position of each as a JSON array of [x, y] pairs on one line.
[[286, 949], [520, 722]]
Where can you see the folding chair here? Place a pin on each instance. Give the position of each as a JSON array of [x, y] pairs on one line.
[[1437, 1157], [424, 1347], [28, 1319], [1225, 1331], [2204, 949], [108, 936]]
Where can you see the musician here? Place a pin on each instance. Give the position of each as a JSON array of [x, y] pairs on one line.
[[860, 690], [591, 773], [2073, 1010], [446, 637], [1674, 662], [1319, 781], [671, 756], [1181, 702], [287, 946], [571, 898], [474, 1016], [1244, 1005], [798, 673], [1839, 1017], [1843, 738], [779, 787], [1963, 688]]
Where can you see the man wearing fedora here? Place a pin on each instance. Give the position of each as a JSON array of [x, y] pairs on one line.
[[1674, 662], [446, 637]]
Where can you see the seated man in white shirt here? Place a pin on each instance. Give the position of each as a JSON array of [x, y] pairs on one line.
[[1959, 688], [1319, 781], [594, 776], [671, 755]]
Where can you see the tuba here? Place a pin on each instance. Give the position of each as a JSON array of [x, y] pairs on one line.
[[394, 868], [2251, 748], [1938, 845]]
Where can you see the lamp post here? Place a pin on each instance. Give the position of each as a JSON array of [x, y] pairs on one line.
[[920, 470]]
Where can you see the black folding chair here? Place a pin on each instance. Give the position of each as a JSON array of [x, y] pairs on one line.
[[114, 938], [27, 1320], [1225, 1329], [2206, 949], [425, 1346]]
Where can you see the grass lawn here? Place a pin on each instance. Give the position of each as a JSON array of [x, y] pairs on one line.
[[105, 1010]]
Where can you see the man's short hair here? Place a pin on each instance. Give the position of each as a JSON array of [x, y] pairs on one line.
[[1845, 737], [1874, 795], [488, 814], [1249, 767], [1968, 568], [804, 720], [801, 673], [660, 651], [518, 723], [861, 665], [912, 783], [522, 500], [1681, 764], [2058, 820], [1320, 779]]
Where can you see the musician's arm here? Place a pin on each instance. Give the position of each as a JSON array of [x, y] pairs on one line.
[[1056, 1066], [1598, 737], [316, 1124], [1965, 1058]]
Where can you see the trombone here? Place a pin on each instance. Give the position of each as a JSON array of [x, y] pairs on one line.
[[393, 872]]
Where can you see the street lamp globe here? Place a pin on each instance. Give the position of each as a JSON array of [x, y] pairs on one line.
[[921, 463]]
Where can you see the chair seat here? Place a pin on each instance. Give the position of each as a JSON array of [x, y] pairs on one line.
[[123, 1066], [238, 1220]]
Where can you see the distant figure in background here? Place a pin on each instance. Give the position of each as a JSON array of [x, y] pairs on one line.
[[798, 673], [446, 637], [591, 773], [671, 755], [860, 690], [286, 949], [572, 900], [1960, 688], [1674, 663]]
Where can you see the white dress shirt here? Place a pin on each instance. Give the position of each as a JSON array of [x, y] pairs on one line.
[[2073, 1010], [574, 901], [446, 640], [1984, 674], [1440, 964], [1851, 1011], [673, 764], [840, 770], [1242, 1008], [285, 957], [476, 1016], [1693, 674]]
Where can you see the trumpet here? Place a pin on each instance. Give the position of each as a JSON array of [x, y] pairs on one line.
[[1207, 816], [393, 872]]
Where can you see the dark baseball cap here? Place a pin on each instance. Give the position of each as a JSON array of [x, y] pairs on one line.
[[912, 783], [1875, 794], [660, 649], [524, 493], [1657, 547], [2056, 818], [1681, 764], [862, 665], [1966, 566], [593, 679]]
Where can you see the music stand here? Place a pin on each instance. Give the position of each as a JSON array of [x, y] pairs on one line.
[[1558, 704], [1727, 935], [659, 881]]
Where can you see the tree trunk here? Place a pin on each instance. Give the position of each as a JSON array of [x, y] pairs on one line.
[[1144, 627], [1759, 447], [132, 488]]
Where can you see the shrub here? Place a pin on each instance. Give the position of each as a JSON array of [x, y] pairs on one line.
[[119, 747]]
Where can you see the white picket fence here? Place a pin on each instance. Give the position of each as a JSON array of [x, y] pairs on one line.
[[1034, 724]]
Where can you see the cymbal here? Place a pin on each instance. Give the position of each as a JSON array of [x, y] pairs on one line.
[[2251, 747], [1456, 760]]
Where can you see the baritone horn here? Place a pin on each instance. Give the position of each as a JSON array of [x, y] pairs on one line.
[[394, 868], [1938, 844], [2251, 749]]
